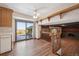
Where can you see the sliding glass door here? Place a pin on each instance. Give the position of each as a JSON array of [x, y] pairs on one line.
[[23, 30], [29, 27]]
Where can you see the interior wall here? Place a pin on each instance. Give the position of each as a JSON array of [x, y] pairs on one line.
[[38, 29], [72, 16], [13, 30], [18, 16], [22, 16]]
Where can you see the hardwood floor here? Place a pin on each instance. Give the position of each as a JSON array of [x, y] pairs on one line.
[[31, 48], [70, 47]]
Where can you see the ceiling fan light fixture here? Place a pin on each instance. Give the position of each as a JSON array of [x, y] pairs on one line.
[[35, 14], [35, 17]]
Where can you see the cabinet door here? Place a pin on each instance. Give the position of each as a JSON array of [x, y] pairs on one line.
[[6, 18], [5, 44], [9, 18], [0, 17]]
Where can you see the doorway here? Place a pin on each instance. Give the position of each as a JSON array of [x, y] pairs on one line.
[[23, 30]]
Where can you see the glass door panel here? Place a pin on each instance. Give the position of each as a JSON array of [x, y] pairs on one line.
[[29, 30], [21, 30]]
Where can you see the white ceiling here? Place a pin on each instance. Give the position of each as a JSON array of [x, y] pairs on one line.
[[43, 8]]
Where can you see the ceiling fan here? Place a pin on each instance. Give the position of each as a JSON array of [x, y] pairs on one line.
[[36, 14]]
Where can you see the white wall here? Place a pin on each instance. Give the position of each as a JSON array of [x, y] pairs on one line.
[[13, 30], [19, 16], [72, 16], [45, 21], [38, 29]]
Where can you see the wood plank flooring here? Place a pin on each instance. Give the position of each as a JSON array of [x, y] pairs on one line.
[[70, 46], [31, 47]]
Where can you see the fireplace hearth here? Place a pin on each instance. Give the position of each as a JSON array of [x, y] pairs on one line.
[[71, 35]]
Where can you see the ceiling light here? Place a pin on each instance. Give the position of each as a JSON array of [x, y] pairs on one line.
[[35, 14], [35, 17]]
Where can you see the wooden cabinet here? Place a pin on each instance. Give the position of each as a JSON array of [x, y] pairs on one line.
[[46, 37], [45, 33], [5, 17]]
